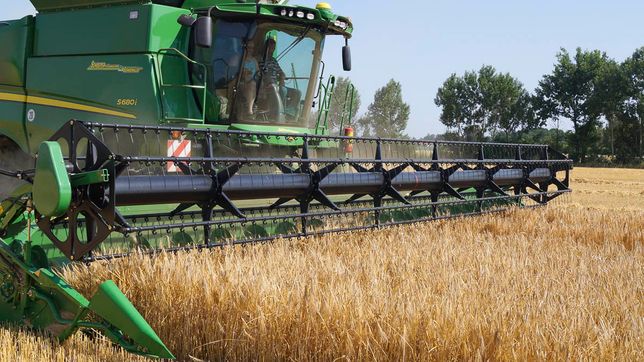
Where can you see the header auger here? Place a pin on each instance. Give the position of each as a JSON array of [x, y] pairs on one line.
[[169, 125]]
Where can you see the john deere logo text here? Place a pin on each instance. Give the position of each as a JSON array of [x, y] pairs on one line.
[[102, 66]]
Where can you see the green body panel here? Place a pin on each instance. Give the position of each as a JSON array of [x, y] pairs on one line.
[[110, 303], [113, 73], [44, 5], [12, 115], [108, 88], [15, 36], [108, 30], [52, 189]]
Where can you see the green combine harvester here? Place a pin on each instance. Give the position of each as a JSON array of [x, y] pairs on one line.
[[170, 125]]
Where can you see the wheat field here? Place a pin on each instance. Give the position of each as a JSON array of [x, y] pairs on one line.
[[562, 282]]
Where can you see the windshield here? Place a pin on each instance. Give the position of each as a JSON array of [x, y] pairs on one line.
[[261, 72]]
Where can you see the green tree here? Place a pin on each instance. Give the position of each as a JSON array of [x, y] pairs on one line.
[[341, 104], [510, 106], [609, 93], [633, 102], [556, 138], [570, 91], [621, 93], [484, 102], [388, 114], [460, 100]]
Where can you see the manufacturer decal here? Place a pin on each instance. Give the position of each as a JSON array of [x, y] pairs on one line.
[[106, 67], [127, 102]]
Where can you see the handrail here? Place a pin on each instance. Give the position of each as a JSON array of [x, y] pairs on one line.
[[163, 85], [325, 106], [351, 89]]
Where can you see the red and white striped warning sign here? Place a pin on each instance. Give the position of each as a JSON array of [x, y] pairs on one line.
[[178, 148]]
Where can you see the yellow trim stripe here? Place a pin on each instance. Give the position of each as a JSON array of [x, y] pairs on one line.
[[11, 97]]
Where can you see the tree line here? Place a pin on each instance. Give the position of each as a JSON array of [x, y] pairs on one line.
[[601, 99], [386, 116]]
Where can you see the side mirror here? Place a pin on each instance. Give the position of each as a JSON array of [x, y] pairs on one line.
[[346, 58], [203, 31]]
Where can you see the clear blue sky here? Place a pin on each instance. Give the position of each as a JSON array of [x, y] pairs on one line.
[[420, 43]]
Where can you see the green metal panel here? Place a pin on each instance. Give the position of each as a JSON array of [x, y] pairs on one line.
[[122, 29], [52, 189], [165, 31], [15, 37], [44, 5], [110, 303], [49, 5], [117, 88], [12, 112], [92, 31]]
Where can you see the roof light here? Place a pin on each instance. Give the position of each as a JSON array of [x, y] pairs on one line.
[[310, 16], [283, 12], [323, 6], [291, 13], [300, 14]]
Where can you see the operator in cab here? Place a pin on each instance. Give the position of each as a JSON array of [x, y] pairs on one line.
[[271, 71], [263, 82]]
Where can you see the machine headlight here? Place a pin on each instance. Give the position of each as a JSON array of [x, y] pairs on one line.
[[291, 13], [300, 14], [310, 16], [283, 12], [340, 24]]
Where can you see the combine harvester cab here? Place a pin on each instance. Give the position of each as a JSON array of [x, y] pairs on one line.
[[181, 125]]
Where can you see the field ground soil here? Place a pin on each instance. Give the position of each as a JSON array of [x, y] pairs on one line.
[[562, 282]]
